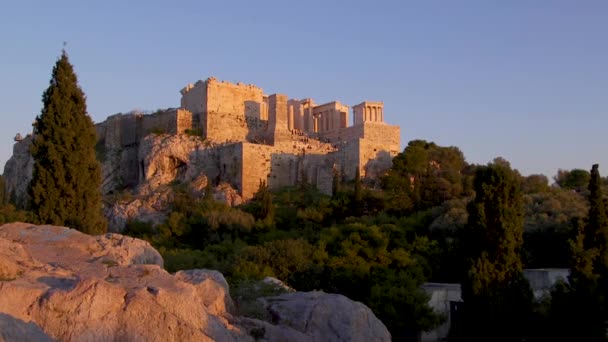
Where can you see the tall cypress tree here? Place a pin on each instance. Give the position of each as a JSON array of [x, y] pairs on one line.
[[497, 299], [596, 230], [581, 310], [66, 183], [590, 247]]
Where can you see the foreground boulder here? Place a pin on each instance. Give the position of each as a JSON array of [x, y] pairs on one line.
[[324, 316], [59, 284]]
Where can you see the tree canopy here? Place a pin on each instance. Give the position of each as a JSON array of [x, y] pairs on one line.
[[424, 175]]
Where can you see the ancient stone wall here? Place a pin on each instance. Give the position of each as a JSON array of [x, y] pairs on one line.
[[386, 136], [256, 167], [379, 145], [347, 158], [230, 166], [277, 119], [343, 134], [232, 112], [235, 99], [171, 121], [194, 97], [285, 165]]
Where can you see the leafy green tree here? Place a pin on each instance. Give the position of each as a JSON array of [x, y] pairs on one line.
[[575, 179], [65, 188], [535, 184], [424, 175], [550, 221], [497, 298]]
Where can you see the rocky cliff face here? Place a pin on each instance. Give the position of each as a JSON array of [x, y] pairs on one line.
[[144, 194], [18, 171], [59, 284]]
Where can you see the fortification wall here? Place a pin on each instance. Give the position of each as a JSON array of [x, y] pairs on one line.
[[108, 132], [256, 166], [223, 127], [235, 99], [233, 112], [194, 97], [184, 120], [277, 119], [347, 158], [339, 136], [230, 166], [386, 136], [159, 122], [377, 149], [283, 166]]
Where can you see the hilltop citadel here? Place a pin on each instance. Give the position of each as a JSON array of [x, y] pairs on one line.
[[233, 134], [252, 136]]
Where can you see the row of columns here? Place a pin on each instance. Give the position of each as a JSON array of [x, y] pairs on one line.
[[374, 113]]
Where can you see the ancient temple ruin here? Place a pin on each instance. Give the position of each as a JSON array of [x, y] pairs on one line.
[[254, 136]]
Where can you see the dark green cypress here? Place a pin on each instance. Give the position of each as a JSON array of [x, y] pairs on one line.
[[66, 183], [580, 310], [358, 191], [497, 299], [596, 231]]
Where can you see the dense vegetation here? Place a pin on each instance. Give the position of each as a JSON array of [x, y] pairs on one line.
[[65, 188]]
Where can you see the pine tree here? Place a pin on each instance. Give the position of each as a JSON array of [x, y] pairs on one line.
[[65, 188], [497, 298]]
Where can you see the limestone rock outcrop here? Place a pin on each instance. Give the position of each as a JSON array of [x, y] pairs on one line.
[[18, 171], [324, 316], [59, 284], [12, 329], [165, 159]]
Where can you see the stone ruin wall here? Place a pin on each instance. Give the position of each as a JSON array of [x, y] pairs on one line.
[[171, 121], [227, 112], [380, 144], [119, 138], [233, 111], [281, 167]]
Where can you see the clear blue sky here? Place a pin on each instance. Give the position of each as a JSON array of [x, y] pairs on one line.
[[525, 80]]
